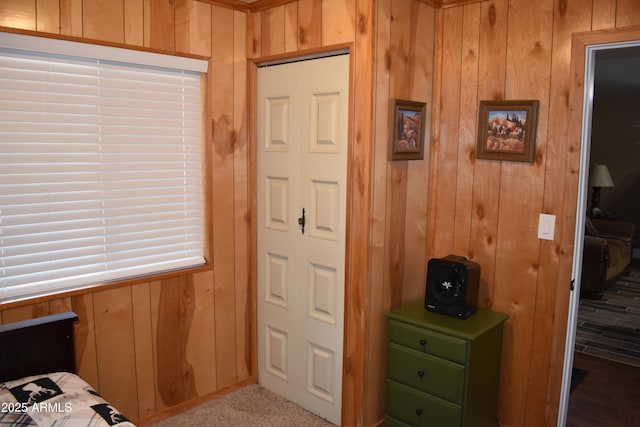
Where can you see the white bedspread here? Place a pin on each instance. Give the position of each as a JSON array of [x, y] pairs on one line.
[[58, 399]]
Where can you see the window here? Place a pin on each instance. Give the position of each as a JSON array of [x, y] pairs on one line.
[[100, 164]]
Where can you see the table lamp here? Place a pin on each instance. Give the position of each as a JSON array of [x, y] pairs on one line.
[[598, 178]]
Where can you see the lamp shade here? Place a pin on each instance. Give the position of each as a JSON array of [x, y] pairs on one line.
[[600, 176]]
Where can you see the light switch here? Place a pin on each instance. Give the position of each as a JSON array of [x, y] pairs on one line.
[[546, 226]]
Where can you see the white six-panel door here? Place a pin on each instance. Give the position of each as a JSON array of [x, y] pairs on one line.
[[302, 130]]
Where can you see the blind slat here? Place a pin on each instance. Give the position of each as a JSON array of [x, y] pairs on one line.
[[100, 171]]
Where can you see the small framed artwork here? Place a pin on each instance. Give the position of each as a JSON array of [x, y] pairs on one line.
[[407, 130], [507, 130]]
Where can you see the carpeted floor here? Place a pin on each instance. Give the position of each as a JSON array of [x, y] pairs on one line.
[[610, 327], [247, 407]]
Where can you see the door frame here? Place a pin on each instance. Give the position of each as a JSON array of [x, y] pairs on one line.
[[353, 304], [583, 48]]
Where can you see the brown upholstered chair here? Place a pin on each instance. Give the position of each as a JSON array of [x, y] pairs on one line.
[[608, 247]]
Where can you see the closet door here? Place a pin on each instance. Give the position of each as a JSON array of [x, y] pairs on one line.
[[302, 130]]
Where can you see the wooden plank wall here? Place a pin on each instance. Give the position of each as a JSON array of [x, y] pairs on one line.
[[488, 210], [148, 313], [402, 64], [151, 346], [313, 25], [451, 58], [405, 32]]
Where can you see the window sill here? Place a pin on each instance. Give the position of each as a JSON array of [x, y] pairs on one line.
[[40, 299]]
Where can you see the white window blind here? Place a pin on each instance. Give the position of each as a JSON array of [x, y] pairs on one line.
[[100, 165]]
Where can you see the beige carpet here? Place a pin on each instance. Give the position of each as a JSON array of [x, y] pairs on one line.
[[247, 407]]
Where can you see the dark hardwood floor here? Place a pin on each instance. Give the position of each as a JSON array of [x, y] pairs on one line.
[[608, 396]]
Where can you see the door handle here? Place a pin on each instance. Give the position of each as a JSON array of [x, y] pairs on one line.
[[302, 220]]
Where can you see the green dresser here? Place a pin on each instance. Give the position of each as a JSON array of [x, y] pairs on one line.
[[443, 371]]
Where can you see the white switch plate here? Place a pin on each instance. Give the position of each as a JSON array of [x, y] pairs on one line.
[[546, 226]]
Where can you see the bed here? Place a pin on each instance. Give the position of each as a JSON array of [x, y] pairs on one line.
[[38, 381]]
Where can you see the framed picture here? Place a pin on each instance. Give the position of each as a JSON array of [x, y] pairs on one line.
[[407, 130], [507, 130]]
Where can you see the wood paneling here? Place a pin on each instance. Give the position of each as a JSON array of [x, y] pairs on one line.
[[359, 201], [133, 15], [327, 24], [103, 20], [189, 337], [338, 21], [516, 280], [523, 54], [254, 36], [161, 24], [380, 300], [291, 27], [399, 60], [571, 17], [85, 339], [448, 104], [152, 347], [143, 338], [71, 17], [467, 127], [627, 13], [48, 18], [200, 343], [18, 14], [418, 172], [222, 165], [244, 292], [273, 31], [115, 348], [309, 35], [486, 175], [604, 14], [404, 43]]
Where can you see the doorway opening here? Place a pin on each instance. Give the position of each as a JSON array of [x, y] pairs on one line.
[[592, 74]]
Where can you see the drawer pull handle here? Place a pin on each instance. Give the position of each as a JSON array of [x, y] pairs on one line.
[[418, 411], [423, 342], [421, 374]]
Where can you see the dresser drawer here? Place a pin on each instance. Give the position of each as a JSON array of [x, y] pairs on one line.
[[428, 341], [392, 422], [420, 409], [427, 373]]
